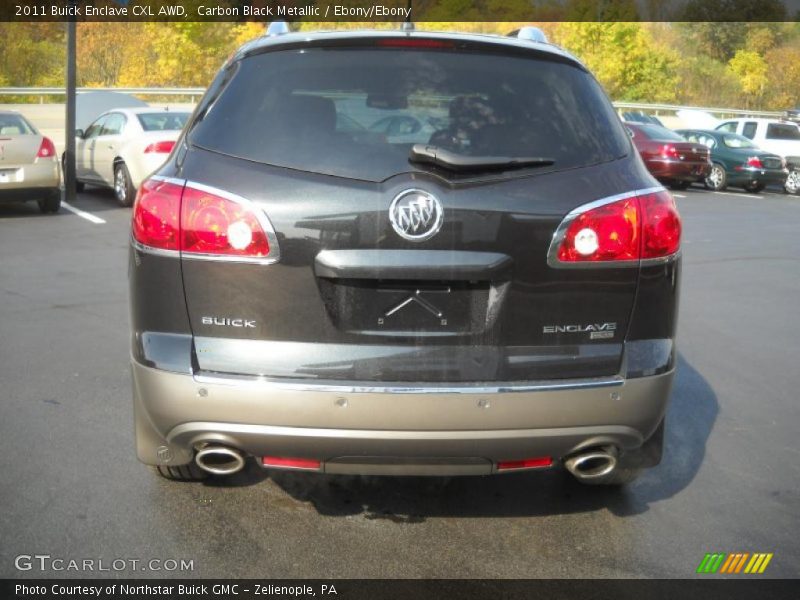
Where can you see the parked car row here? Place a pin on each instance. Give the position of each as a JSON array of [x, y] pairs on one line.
[[121, 146], [746, 153], [119, 149], [28, 164]]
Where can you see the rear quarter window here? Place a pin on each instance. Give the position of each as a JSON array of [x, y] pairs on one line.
[[780, 131], [356, 112]]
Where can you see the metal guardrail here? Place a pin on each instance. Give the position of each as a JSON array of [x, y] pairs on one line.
[[196, 92], [656, 108], [42, 92]]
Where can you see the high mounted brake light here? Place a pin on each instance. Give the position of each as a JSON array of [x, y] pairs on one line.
[[201, 222], [618, 231], [414, 43]]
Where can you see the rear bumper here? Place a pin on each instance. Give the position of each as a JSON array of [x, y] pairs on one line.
[[678, 170], [405, 430], [31, 182], [753, 175], [26, 194]]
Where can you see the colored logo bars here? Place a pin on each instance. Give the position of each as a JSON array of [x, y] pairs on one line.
[[739, 562]]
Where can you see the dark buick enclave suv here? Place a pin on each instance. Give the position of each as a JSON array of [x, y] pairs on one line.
[[486, 283]]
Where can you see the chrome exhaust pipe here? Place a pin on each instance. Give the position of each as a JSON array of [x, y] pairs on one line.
[[219, 460], [592, 464]]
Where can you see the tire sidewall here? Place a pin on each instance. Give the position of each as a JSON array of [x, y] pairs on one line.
[[723, 182], [128, 186]]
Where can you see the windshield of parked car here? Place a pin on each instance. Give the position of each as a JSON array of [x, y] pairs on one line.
[[731, 140], [358, 112], [659, 134], [14, 125], [163, 121]]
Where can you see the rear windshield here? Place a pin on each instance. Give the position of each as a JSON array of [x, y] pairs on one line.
[[777, 131], [14, 125], [659, 134], [731, 140], [163, 121], [357, 112]]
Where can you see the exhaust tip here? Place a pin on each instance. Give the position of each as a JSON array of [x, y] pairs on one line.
[[592, 464], [219, 460]]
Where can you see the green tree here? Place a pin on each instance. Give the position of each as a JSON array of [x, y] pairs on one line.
[[626, 59], [751, 70]]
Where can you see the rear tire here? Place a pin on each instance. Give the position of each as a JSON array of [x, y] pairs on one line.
[[51, 204], [680, 185], [123, 188], [754, 187], [717, 179], [792, 184], [188, 472]]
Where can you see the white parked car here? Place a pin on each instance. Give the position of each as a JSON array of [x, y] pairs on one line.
[[123, 146], [773, 135]]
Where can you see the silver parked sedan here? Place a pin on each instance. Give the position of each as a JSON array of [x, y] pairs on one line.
[[28, 164], [123, 146]]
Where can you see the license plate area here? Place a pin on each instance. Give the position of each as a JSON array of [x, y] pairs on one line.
[[11, 175], [407, 308]]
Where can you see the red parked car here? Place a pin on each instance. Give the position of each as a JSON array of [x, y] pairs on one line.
[[668, 156]]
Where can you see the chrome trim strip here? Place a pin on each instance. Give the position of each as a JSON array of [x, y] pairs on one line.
[[661, 260], [173, 180], [274, 249], [370, 388], [561, 232], [154, 251]]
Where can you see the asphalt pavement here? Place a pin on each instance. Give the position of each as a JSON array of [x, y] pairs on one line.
[[71, 487]]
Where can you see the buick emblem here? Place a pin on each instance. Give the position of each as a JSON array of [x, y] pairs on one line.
[[416, 215]]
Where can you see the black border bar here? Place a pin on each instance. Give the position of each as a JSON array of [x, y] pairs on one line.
[[712, 588], [397, 10]]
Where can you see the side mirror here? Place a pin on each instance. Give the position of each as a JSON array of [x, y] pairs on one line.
[[79, 133]]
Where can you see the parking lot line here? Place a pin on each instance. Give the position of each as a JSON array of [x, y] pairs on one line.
[[738, 195], [679, 195], [83, 214]]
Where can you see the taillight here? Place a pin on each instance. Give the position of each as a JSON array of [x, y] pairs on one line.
[[754, 161], [644, 225], [46, 149], [661, 225], [163, 147], [669, 151], [213, 224], [156, 214], [200, 221]]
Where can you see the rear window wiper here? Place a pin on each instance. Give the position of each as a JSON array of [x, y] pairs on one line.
[[453, 161]]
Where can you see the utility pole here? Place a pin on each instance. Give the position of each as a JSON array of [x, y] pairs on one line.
[[69, 154]]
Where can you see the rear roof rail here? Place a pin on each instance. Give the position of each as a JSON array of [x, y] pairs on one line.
[[277, 28], [532, 34]]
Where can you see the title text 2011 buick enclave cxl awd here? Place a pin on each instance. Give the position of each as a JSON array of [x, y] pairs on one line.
[[403, 253]]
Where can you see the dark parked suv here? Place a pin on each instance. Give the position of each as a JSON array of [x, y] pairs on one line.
[[493, 291]]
